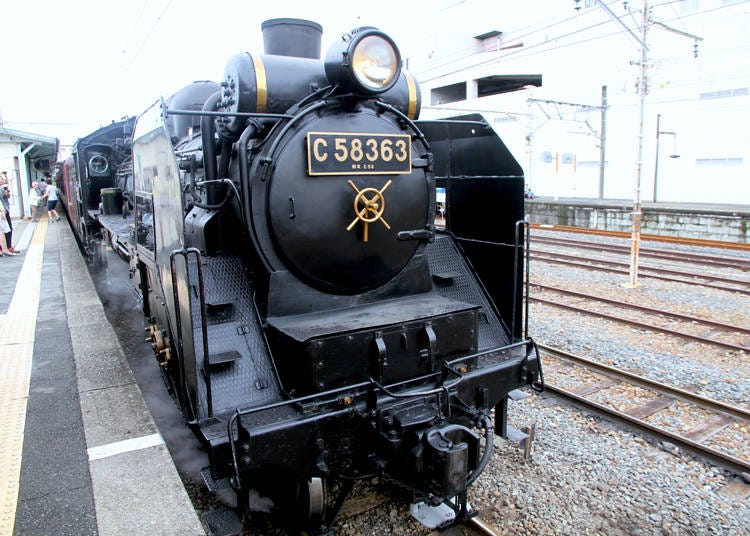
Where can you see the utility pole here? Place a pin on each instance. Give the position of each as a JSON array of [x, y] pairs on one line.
[[642, 92], [656, 157], [635, 237], [602, 143]]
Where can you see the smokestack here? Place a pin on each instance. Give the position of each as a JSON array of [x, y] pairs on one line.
[[292, 37]]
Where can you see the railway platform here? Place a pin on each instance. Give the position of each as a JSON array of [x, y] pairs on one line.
[[79, 451]]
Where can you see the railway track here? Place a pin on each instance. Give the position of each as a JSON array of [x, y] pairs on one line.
[[655, 399], [725, 261], [480, 527], [645, 237], [734, 336], [369, 498], [604, 265]]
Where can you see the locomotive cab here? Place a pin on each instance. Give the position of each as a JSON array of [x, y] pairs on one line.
[[93, 178]]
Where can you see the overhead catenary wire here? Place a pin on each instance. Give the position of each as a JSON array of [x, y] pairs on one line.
[[518, 39], [135, 25], [549, 42], [520, 34], [148, 35]]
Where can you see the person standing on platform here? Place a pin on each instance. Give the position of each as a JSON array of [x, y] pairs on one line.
[[4, 228], [51, 194], [43, 201], [43, 184], [35, 201], [5, 198]]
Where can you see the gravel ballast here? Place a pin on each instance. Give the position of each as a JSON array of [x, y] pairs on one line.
[[587, 475]]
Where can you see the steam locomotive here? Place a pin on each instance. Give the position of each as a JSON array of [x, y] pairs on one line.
[[309, 316]]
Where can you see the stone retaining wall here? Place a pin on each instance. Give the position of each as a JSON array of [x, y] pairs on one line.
[[720, 224]]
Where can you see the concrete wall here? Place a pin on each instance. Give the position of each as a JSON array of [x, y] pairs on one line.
[[730, 224], [9, 162]]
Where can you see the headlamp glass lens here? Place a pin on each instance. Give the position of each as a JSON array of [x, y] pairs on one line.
[[374, 62]]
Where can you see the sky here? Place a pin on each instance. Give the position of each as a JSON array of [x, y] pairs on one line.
[[71, 66]]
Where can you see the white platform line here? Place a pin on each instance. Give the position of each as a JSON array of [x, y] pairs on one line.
[[121, 447]]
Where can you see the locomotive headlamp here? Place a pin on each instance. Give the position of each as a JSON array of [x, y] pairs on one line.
[[367, 61], [375, 62]]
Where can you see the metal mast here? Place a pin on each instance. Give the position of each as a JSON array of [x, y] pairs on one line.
[[642, 90]]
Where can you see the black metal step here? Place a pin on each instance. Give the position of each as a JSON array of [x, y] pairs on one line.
[[223, 359], [518, 394], [212, 484], [222, 522]]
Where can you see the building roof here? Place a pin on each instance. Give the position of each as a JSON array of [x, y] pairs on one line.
[[45, 147]]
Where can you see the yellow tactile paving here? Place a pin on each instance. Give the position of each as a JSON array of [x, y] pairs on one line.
[[18, 328], [13, 369], [16, 350]]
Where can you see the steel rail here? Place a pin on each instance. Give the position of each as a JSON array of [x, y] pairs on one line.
[[643, 325], [613, 269], [680, 256], [678, 316], [655, 238], [679, 273], [481, 527], [669, 390], [737, 464]]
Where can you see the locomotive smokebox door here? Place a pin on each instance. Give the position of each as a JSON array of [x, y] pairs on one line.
[[336, 209]]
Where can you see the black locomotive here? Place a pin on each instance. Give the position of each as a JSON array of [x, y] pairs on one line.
[[311, 319]]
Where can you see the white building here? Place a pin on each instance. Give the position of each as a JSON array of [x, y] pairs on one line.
[[698, 73], [25, 157]]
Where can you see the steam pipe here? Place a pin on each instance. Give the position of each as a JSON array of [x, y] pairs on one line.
[[488, 441], [207, 137], [213, 189], [250, 131], [226, 150]]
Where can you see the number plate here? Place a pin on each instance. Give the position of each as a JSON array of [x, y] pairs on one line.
[[340, 153]]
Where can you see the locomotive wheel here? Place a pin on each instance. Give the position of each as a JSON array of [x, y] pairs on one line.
[[311, 500], [84, 237]]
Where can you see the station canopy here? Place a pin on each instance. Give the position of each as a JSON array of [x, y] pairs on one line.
[[40, 150]]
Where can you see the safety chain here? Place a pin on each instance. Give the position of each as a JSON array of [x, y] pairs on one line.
[[417, 494]]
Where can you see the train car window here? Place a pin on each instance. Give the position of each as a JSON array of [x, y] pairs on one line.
[[98, 165], [440, 203], [144, 221]]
